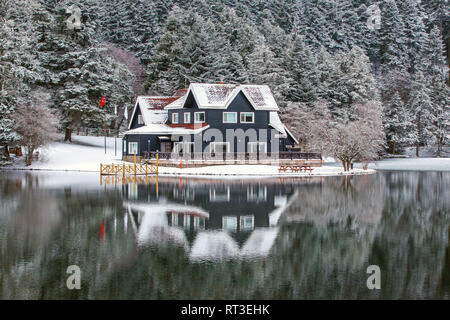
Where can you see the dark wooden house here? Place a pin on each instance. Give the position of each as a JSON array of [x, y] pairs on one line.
[[208, 119]]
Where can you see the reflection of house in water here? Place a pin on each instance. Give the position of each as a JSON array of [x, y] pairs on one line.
[[210, 221]]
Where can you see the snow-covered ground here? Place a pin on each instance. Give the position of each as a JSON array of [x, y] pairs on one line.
[[411, 164], [83, 154], [86, 153], [257, 170]]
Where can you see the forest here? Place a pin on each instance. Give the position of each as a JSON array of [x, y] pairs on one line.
[[326, 61]]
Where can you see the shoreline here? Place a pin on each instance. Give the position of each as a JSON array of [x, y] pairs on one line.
[[324, 171]]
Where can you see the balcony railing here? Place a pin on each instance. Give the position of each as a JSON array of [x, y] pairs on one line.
[[245, 156]]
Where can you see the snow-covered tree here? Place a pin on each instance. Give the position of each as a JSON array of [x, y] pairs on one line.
[[436, 67], [415, 34], [398, 124], [393, 39], [346, 79], [301, 65], [75, 71], [422, 107], [360, 139], [34, 123]]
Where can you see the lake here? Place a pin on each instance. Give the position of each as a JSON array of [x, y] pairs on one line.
[[172, 238]]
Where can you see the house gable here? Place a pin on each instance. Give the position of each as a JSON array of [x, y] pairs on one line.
[[134, 118]]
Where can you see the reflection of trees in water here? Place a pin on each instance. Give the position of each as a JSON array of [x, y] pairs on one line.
[[52, 229], [412, 244]]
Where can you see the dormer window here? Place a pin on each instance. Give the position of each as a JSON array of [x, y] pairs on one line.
[[174, 117], [140, 119]]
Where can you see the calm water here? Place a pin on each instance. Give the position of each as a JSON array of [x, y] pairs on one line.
[[213, 239]]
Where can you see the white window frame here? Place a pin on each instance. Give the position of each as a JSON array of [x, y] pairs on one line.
[[177, 116], [243, 114], [226, 218], [195, 117], [226, 113], [131, 147], [140, 119], [212, 146], [241, 223], [258, 143], [188, 114]]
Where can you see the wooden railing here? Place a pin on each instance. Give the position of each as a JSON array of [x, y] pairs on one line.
[[234, 156], [124, 169]]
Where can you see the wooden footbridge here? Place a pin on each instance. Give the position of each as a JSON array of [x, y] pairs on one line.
[[129, 169]]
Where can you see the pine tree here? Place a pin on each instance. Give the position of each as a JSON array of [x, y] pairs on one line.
[[347, 79], [392, 39], [75, 71], [398, 125], [439, 92], [301, 65], [422, 107], [415, 33]]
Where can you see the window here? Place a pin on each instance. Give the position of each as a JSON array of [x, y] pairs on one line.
[[229, 223], [199, 117], [230, 117], [132, 147], [220, 147], [254, 147], [187, 117], [246, 223], [247, 117], [174, 117], [140, 119]]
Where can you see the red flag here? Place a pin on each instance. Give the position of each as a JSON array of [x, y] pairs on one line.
[[102, 103]]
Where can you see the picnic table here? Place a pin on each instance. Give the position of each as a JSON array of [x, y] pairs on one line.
[[295, 168]]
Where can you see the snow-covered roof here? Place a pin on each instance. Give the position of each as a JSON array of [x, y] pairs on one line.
[[275, 122], [152, 108], [160, 128], [219, 96]]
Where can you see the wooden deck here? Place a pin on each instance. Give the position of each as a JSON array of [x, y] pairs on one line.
[[199, 160]]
